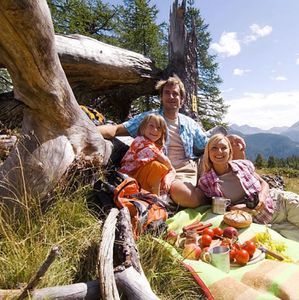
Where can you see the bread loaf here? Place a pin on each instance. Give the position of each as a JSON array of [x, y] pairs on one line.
[[237, 218]]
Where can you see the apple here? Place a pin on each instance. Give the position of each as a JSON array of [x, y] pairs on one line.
[[230, 232], [191, 251], [171, 237]]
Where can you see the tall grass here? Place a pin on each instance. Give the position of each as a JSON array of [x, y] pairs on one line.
[[167, 276], [26, 239]]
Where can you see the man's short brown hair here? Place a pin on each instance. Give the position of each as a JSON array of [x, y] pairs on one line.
[[172, 80]]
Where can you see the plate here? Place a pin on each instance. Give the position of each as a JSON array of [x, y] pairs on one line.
[[257, 256]]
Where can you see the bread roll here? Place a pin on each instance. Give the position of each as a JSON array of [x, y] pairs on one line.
[[237, 218]]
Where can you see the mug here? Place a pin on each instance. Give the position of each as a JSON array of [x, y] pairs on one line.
[[219, 258], [219, 205]]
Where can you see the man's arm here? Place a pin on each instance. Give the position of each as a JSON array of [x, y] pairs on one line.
[[109, 131]]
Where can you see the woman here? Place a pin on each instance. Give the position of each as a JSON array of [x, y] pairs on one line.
[[238, 181]]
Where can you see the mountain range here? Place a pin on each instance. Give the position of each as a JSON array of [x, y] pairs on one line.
[[280, 142]]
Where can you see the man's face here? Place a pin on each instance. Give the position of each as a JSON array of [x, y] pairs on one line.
[[171, 97]]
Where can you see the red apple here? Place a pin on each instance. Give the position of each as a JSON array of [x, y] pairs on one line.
[[171, 237], [230, 232], [191, 251]]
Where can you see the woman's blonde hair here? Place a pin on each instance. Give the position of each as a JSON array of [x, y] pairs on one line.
[[207, 164], [160, 122], [173, 80]]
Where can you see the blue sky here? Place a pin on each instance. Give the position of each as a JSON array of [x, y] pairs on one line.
[[257, 48]]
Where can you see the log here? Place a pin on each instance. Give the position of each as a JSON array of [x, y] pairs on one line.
[[6, 144], [55, 130], [40, 273], [105, 258], [129, 276]]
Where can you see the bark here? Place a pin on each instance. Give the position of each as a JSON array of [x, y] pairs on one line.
[[98, 70], [183, 56], [55, 130], [129, 276]]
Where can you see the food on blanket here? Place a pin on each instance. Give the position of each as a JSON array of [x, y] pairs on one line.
[[250, 247], [241, 257], [205, 240], [218, 231], [191, 251], [230, 232], [205, 255], [266, 240], [208, 231], [192, 226], [232, 254], [171, 237], [237, 218]]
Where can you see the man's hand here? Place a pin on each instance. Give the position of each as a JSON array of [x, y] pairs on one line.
[[238, 146]]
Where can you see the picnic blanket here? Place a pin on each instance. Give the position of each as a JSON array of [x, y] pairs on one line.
[[266, 279]]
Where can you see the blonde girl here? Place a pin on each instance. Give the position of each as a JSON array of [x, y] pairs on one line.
[[145, 160]]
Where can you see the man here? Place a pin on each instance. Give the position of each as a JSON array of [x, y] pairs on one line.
[[185, 138]]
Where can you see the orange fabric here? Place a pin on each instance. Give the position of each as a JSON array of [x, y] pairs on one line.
[[150, 175]]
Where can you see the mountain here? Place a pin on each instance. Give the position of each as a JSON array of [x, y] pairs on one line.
[[268, 144], [292, 132], [246, 129]]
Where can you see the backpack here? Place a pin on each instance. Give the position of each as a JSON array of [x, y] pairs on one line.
[[148, 214]]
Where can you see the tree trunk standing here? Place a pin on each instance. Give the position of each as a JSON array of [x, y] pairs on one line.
[[182, 56], [55, 130]]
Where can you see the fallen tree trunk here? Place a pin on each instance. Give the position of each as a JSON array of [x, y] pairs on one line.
[[55, 130], [95, 69]]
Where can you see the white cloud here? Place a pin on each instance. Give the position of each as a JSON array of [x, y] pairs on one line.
[[257, 32], [297, 61], [264, 110], [228, 44], [240, 72], [279, 78]]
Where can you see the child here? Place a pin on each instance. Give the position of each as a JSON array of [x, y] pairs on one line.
[[145, 160], [238, 181]]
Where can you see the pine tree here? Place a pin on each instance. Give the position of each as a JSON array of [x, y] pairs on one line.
[[87, 17], [259, 161], [211, 107], [271, 162], [137, 31], [5, 81]]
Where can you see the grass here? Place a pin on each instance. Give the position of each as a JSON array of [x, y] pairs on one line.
[[166, 275], [25, 242], [290, 178]]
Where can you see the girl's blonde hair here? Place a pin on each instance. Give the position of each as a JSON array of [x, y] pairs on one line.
[[160, 122], [207, 164]]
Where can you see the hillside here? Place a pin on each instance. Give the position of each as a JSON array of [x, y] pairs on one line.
[[270, 144]]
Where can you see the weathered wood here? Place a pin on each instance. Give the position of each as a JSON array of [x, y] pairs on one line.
[[183, 55], [6, 144], [55, 130], [105, 258], [40, 273], [95, 69], [129, 275], [78, 291]]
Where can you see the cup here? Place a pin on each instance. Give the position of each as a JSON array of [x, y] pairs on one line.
[[219, 258], [219, 205]]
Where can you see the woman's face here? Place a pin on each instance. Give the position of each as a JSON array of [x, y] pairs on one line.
[[219, 152], [152, 130]]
